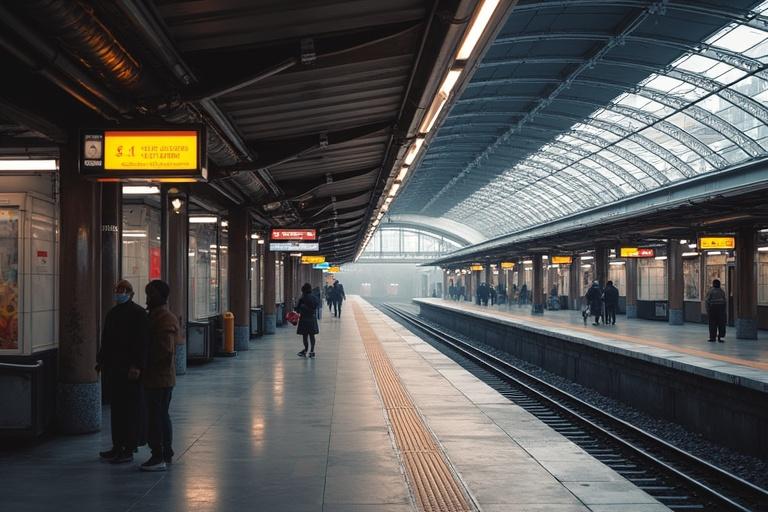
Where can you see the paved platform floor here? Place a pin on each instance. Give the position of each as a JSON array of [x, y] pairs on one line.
[[680, 343], [270, 431]]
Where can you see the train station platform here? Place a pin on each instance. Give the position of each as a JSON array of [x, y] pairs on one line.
[[684, 347], [379, 421]]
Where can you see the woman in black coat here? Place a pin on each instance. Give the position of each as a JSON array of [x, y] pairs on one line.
[[307, 327]]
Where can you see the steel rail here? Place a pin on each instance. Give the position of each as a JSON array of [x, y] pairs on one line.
[[752, 493]]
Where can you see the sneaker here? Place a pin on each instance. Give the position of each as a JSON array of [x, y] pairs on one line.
[[168, 460], [721, 340], [302, 353], [154, 464], [711, 340], [123, 457], [109, 454], [311, 354]]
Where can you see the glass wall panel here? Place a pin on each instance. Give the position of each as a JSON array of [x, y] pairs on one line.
[[651, 279], [203, 272], [692, 278], [618, 274], [9, 278], [141, 259], [717, 269], [762, 278]]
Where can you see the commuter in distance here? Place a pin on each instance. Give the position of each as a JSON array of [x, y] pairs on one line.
[[611, 300], [594, 298], [307, 326], [121, 360], [337, 297], [716, 311]]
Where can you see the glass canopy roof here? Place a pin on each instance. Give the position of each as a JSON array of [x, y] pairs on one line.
[[704, 110]]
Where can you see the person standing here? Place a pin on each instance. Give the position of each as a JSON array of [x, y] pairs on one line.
[[329, 297], [611, 300], [337, 297], [594, 298], [716, 312], [121, 359], [523, 298], [307, 325], [160, 375], [316, 295]]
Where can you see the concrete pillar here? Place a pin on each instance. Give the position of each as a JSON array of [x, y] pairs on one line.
[[270, 320], [174, 261], [601, 265], [238, 275], [174, 239], [574, 284], [78, 408], [537, 304], [746, 289], [675, 285], [288, 283], [631, 273], [111, 230]]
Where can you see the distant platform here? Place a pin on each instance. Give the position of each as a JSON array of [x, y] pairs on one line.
[[270, 430], [683, 347]]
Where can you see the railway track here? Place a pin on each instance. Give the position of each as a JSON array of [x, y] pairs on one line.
[[676, 478]]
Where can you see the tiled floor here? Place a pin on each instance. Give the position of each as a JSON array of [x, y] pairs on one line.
[[270, 431], [738, 361]]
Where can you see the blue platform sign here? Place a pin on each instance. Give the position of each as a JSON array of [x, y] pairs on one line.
[[321, 266]]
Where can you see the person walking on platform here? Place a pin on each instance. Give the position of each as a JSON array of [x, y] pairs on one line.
[[523, 298], [337, 297], [594, 298], [160, 376], [611, 301], [492, 293], [329, 297], [307, 325], [121, 359], [716, 312], [482, 294]]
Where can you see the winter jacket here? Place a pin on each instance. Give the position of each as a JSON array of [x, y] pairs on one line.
[[715, 296], [125, 339], [594, 294], [611, 296], [306, 307], [164, 332]]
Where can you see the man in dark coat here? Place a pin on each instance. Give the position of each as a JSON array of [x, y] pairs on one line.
[[716, 301], [594, 298], [307, 326], [611, 300], [337, 297], [160, 376], [482, 294], [122, 358]]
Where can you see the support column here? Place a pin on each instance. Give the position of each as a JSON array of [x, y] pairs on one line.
[[631, 273], [746, 289], [78, 408], [675, 286], [111, 229], [239, 266], [488, 274], [175, 243], [537, 304], [270, 320], [574, 284], [288, 283], [601, 265]]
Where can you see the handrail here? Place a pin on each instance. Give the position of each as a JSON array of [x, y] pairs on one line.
[[38, 364]]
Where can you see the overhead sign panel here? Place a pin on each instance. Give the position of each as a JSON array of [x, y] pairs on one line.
[[637, 252], [507, 265], [293, 234], [717, 242], [476, 268], [294, 246], [561, 260], [321, 266], [332, 270], [311, 260], [164, 154]]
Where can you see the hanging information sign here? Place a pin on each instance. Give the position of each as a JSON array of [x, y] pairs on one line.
[[321, 266], [637, 252], [294, 246], [507, 265], [293, 234], [311, 260], [476, 268], [717, 242], [561, 260]]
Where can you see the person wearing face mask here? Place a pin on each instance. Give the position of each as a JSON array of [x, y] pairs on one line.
[[121, 359], [159, 378]]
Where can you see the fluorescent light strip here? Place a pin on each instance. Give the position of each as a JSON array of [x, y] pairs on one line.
[[203, 220], [140, 190], [410, 156], [476, 28], [28, 165]]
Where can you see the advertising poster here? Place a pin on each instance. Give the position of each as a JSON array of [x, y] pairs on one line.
[[9, 278]]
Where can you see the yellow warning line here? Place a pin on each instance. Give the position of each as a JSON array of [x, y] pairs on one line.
[[433, 482]]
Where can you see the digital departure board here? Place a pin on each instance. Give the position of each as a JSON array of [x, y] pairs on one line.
[[165, 154]]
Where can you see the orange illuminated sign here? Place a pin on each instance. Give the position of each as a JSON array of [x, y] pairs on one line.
[[507, 265], [312, 260], [561, 260], [476, 268], [637, 252], [717, 242]]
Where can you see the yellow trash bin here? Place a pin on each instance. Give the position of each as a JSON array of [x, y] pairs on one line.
[[229, 333]]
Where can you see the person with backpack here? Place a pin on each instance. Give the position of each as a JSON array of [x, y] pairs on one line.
[[307, 327], [716, 301]]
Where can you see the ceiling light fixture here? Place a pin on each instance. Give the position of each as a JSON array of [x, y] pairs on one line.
[[140, 190], [28, 165], [203, 220], [476, 28]]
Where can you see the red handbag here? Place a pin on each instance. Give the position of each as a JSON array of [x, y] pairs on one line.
[[292, 317]]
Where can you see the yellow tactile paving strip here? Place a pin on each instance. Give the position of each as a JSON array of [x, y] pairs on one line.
[[434, 484]]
